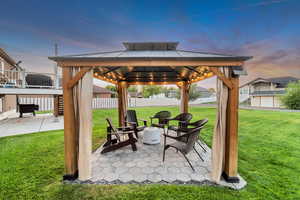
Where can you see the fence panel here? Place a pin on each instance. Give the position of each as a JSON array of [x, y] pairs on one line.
[[1, 105], [98, 103], [45, 103]]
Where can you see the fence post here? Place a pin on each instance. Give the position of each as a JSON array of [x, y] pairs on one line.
[[23, 78]]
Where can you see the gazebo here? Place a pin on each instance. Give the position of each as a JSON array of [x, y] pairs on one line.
[[149, 63]]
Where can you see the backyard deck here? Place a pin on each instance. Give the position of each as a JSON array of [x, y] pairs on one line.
[[145, 166]]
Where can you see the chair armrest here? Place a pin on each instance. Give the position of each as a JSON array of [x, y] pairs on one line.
[[132, 123], [124, 128], [177, 137], [144, 121], [126, 132]]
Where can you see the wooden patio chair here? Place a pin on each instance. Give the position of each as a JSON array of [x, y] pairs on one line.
[[133, 121], [114, 140], [162, 117], [185, 147], [182, 119]]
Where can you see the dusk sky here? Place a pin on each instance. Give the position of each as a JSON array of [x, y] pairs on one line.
[[268, 30]]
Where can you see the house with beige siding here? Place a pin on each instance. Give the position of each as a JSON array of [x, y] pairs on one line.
[[8, 68], [266, 92]]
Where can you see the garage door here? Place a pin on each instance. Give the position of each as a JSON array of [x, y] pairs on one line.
[[255, 101], [266, 101]]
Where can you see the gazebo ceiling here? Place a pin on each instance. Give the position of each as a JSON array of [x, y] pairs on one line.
[[128, 68], [152, 75]]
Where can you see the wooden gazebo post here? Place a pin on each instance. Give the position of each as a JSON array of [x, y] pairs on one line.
[[231, 149], [184, 96], [70, 133], [122, 101]]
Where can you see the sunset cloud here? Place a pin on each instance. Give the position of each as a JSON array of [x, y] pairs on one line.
[[267, 30]]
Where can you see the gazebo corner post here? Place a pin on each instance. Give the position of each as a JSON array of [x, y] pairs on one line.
[[122, 101], [231, 142], [70, 133], [184, 96]]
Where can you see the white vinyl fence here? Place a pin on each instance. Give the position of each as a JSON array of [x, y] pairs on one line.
[[46, 103], [1, 105]]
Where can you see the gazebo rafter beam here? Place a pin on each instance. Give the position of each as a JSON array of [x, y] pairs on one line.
[[71, 83], [110, 70], [222, 77], [147, 63], [192, 69]]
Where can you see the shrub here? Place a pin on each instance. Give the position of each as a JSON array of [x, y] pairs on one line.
[[292, 97], [193, 93]]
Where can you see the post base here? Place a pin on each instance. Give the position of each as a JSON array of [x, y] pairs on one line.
[[70, 177], [230, 179]]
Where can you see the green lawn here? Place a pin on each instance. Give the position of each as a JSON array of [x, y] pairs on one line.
[[31, 166]]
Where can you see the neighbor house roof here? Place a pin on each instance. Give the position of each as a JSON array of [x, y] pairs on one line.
[[283, 81], [7, 58], [101, 90], [280, 81], [201, 89]]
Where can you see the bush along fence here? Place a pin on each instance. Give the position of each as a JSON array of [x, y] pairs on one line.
[[46, 103]]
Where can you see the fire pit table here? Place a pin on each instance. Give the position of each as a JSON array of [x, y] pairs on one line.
[[151, 135]]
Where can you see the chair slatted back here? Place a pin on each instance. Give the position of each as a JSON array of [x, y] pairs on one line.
[[162, 116], [112, 128], [192, 138], [131, 116]]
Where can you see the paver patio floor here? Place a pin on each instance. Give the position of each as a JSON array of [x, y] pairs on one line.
[[145, 166]]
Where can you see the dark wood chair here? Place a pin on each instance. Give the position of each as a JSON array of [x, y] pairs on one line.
[[182, 119], [133, 121], [184, 143], [114, 140], [162, 118]]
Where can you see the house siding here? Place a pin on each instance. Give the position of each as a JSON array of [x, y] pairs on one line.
[[265, 94]]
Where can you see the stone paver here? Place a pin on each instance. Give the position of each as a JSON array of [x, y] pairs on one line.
[[145, 165]]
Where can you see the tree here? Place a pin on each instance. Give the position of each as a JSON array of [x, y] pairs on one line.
[[193, 93], [169, 92], [150, 90], [292, 97], [212, 90], [132, 88], [111, 88]]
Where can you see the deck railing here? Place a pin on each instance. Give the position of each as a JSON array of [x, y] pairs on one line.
[[24, 79]]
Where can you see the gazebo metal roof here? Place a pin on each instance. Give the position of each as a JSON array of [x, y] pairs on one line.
[[149, 51]]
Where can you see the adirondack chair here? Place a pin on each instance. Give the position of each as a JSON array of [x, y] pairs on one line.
[[114, 139], [133, 121], [184, 146]]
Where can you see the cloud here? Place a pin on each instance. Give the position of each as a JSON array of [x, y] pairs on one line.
[[260, 4]]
